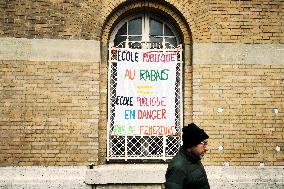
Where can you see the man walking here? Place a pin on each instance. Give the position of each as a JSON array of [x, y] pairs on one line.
[[185, 171]]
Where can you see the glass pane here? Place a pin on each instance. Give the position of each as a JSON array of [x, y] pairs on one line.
[[172, 41], [156, 39], [168, 31], [135, 42], [135, 26], [156, 28], [135, 38], [122, 30], [156, 43], [134, 45], [118, 39]]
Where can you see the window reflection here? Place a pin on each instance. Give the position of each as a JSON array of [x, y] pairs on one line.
[[122, 30], [156, 39], [135, 26], [119, 39], [150, 30], [134, 38], [168, 31], [171, 41], [156, 28]]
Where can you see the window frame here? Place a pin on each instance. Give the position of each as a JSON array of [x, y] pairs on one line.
[[145, 38]]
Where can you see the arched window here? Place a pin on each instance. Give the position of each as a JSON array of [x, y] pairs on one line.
[[145, 89], [144, 29]]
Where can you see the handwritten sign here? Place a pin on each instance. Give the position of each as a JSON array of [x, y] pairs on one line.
[[145, 92]]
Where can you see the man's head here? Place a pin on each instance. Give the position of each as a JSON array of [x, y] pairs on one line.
[[195, 139]]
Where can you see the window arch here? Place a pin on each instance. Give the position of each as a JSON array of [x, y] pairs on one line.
[[145, 89], [145, 28]]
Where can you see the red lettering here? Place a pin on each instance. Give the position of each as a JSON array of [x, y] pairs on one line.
[[145, 55], [159, 57], [130, 74], [151, 101], [157, 130], [164, 114], [152, 114]]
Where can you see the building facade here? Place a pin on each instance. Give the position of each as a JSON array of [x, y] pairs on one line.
[[59, 86]]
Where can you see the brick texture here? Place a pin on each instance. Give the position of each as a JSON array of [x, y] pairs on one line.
[[49, 113], [247, 128], [245, 21]]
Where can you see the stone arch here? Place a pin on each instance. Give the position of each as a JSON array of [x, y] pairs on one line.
[[131, 7]]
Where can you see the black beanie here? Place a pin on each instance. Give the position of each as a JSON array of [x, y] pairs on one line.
[[193, 135]]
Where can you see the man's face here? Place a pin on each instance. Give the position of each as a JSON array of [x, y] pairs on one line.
[[200, 149]]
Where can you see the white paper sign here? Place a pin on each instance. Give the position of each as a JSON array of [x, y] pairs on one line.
[[145, 93]]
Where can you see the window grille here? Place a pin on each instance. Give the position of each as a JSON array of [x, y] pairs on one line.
[[126, 141]]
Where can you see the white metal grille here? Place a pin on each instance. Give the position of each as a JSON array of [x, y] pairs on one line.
[[140, 146]]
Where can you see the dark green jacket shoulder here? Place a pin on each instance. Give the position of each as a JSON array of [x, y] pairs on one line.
[[186, 171]]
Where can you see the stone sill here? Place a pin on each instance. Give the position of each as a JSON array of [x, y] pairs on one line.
[[155, 174], [126, 173], [80, 177]]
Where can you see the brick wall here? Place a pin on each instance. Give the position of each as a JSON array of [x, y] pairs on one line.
[[51, 19], [235, 104], [233, 21], [53, 111], [247, 21], [238, 98], [49, 113]]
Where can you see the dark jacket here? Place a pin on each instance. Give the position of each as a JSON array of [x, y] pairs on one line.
[[185, 171]]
